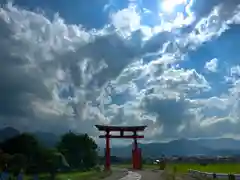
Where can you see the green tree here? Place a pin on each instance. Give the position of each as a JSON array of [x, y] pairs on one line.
[[53, 162], [26, 145], [17, 163], [79, 149], [5, 160]]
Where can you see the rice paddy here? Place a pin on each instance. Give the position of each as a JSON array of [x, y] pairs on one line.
[[229, 168], [184, 167]]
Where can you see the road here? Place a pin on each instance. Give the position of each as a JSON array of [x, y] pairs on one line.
[[150, 174], [124, 174]]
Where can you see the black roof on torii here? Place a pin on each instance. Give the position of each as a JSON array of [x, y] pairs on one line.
[[120, 128]]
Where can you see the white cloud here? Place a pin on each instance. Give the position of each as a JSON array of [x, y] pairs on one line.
[[126, 21], [102, 76], [212, 65]]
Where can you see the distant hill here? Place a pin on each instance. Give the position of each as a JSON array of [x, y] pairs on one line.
[[8, 133], [47, 139], [221, 143], [180, 147], [183, 147]]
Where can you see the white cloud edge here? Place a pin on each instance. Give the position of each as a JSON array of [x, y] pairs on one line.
[[77, 36]]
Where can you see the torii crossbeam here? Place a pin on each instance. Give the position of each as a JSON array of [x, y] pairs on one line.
[[136, 152]]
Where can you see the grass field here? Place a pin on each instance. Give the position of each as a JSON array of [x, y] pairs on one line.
[[217, 168], [183, 167], [89, 175]]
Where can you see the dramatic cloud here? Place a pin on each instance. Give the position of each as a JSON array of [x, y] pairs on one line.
[[60, 75]]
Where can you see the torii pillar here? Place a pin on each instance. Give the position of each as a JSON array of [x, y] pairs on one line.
[[136, 151]]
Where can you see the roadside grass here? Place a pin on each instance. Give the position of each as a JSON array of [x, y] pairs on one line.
[[89, 175], [168, 174]]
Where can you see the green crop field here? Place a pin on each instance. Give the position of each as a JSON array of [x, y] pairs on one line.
[[183, 167], [216, 167]]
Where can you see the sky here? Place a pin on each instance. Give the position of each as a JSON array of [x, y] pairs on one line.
[[173, 66]]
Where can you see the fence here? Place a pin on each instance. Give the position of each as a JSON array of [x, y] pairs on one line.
[[6, 176], [195, 173]]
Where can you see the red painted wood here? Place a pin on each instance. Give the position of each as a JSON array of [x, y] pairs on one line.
[[124, 137], [120, 128], [108, 156], [136, 152], [136, 159]]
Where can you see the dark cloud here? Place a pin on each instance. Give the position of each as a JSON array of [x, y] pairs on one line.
[[170, 113], [54, 74], [156, 42], [115, 51], [17, 85]]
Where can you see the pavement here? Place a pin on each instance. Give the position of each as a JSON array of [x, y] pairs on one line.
[[150, 174], [117, 174], [132, 176], [124, 174]]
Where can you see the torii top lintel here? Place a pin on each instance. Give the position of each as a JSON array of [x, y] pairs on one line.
[[120, 128]]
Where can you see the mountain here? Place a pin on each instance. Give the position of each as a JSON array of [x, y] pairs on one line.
[[8, 133], [221, 143], [47, 139], [180, 147], [183, 147]]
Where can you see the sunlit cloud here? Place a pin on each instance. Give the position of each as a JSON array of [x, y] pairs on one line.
[[124, 73], [169, 6]]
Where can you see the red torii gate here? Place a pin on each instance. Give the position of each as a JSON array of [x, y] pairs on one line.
[[136, 152]]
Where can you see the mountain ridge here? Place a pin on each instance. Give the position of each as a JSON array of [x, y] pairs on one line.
[[179, 147]]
